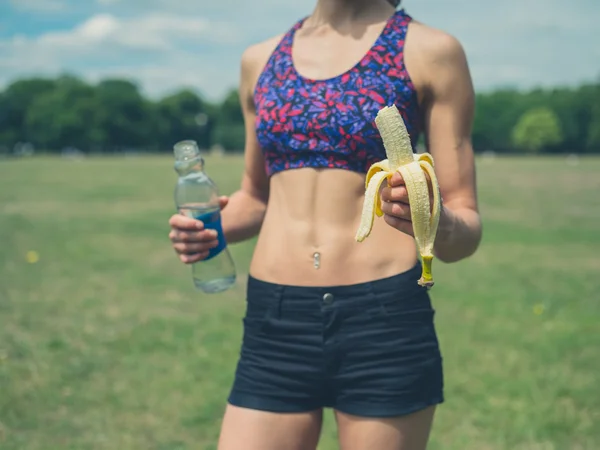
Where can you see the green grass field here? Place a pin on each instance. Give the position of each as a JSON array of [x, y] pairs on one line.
[[104, 344]]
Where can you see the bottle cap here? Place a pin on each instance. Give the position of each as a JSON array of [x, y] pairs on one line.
[[185, 150]]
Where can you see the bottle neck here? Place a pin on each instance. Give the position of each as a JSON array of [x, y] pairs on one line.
[[186, 166]]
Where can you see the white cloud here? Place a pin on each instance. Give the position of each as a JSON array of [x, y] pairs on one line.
[[98, 27], [168, 43], [152, 31], [151, 48]]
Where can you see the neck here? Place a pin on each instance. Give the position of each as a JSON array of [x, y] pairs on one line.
[[339, 11]]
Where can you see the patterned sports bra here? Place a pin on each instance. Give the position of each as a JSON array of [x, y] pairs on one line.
[[301, 122]]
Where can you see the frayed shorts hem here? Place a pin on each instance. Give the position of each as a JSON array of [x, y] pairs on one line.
[[270, 404], [275, 405], [386, 411]]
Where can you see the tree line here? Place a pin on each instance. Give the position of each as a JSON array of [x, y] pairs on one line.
[[113, 116]]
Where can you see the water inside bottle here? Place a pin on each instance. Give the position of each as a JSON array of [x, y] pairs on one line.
[[215, 273]]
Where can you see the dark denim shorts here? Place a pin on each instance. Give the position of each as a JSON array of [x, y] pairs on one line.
[[367, 349]]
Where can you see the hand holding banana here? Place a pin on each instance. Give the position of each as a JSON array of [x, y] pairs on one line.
[[395, 204], [402, 166]]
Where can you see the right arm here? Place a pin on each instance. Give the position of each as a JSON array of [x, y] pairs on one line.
[[243, 212], [246, 208]]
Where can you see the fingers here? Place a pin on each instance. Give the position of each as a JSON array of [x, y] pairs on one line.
[[187, 248], [400, 224], [223, 201], [395, 204], [190, 240], [192, 251], [396, 190], [181, 222], [398, 210], [188, 236], [396, 180], [191, 259], [394, 194], [193, 241], [399, 194]]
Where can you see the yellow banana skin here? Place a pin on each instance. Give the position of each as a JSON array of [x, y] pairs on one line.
[[413, 167]]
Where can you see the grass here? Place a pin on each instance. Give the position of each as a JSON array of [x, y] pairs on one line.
[[104, 344]]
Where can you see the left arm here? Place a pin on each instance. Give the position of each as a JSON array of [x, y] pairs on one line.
[[449, 112], [448, 106]]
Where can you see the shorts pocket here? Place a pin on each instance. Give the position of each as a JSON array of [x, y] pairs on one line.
[[404, 322], [262, 300], [257, 314], [399, 309]]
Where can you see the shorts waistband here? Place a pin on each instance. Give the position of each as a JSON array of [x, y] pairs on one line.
[[405, 282]]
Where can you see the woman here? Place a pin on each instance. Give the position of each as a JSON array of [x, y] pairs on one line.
[[331, 322]]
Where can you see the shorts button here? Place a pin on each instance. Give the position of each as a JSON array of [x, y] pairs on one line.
[[328, 298]]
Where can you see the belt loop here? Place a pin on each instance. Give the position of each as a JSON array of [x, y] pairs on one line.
[[371, 290], [278, 304], [374, 298]]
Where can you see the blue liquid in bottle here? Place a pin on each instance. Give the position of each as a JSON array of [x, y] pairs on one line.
[[196, 195]]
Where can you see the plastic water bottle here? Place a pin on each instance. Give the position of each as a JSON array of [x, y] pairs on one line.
[[197, 196]]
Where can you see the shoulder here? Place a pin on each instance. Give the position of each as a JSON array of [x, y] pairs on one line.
[[256, 55], [437, 57], [434, 44], [254, 58]]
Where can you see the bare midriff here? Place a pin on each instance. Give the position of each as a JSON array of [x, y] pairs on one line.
[[307, 237]]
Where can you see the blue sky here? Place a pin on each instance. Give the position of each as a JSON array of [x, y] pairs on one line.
[[168, 44]]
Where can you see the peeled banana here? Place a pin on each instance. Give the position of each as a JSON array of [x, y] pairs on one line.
[[413, 167]]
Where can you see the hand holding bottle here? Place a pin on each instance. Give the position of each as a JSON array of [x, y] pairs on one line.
[[196, 230], [189, 237]]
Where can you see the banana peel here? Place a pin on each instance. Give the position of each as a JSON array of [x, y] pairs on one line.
[[412, 167]]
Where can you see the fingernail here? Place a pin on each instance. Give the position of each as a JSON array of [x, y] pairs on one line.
[[199, 225]]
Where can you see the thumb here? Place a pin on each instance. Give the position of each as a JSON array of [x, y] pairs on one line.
[[223, 201]]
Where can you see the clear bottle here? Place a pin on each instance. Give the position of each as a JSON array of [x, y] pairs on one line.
[[196, 195]]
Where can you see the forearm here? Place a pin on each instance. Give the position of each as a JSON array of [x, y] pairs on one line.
[[459, 234], [243, 216]]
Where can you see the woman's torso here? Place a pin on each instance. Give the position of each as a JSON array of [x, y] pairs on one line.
[[314, 122]]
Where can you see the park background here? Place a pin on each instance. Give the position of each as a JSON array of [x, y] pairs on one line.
[[104, 344]]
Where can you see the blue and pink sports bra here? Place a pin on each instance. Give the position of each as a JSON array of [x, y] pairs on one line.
[[301, 122]]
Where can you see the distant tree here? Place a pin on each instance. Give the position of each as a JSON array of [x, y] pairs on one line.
[[229, 129], [65, 117], [537, 129], [183, 115], [113, 115], [496, 113], [592, 135], [15, 102], [231, 137], [124, 115]]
